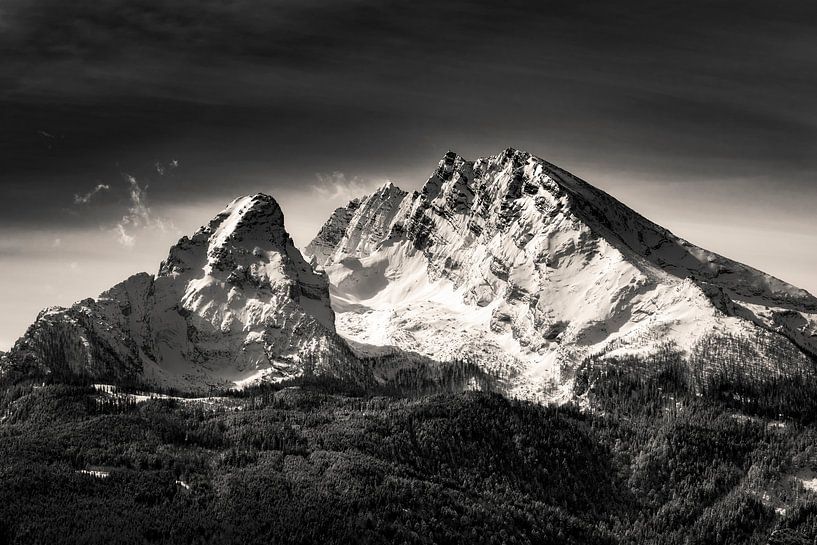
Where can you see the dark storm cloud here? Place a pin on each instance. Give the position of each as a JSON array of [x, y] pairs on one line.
[[246, 92]]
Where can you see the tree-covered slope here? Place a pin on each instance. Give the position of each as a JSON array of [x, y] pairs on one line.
[[313, 465]]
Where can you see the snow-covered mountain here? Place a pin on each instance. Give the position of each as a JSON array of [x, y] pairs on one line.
[[513, 263], [506, 270], [234, 303]]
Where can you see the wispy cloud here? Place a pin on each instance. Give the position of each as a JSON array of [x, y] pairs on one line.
[[123, 237], [338, 187], [139, 215], [164, 168], [85, 199]]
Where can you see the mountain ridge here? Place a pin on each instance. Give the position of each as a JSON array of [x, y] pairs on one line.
[[506, 264], [547, 268]]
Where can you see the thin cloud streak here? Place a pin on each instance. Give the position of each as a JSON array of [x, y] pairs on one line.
[[86, 198]]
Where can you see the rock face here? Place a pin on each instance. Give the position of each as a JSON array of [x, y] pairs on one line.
[[516, 264], [234, 303], [333, 231]]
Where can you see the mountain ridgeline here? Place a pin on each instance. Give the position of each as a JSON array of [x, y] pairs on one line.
[[235, 302], [516, 264], [506, 272]]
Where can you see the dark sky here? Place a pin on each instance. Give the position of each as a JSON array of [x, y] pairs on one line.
[[125, 123]]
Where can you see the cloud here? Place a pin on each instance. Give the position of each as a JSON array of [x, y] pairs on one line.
[[123, 237], [164, 168], [338, 187], [139, 211], [139, 215], [85, 199]]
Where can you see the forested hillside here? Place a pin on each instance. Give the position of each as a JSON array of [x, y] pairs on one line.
[[315, 464]]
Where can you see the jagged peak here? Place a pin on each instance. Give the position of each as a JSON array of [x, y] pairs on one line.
[[247, 203], [448, 165], [513, 152], [449, 158], [255, 203], [389, 188], [627, 230], [140, 281], [251, 220], [452, 158], [258, 215], [452, 162]]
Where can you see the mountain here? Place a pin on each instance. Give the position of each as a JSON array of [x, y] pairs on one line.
[[516, 264], [232, 304], [505, 271]]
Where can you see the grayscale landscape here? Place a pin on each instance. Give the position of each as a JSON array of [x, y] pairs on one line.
[[352, 272]]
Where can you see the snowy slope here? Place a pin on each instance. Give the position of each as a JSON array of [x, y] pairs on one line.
[[514, 263], [231, 304]]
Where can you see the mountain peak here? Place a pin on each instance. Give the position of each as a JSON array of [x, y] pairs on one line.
[[509, 152], [387, 187], [232, 303], [252, 222], [249, 213], [519, 264], [450, 165]]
